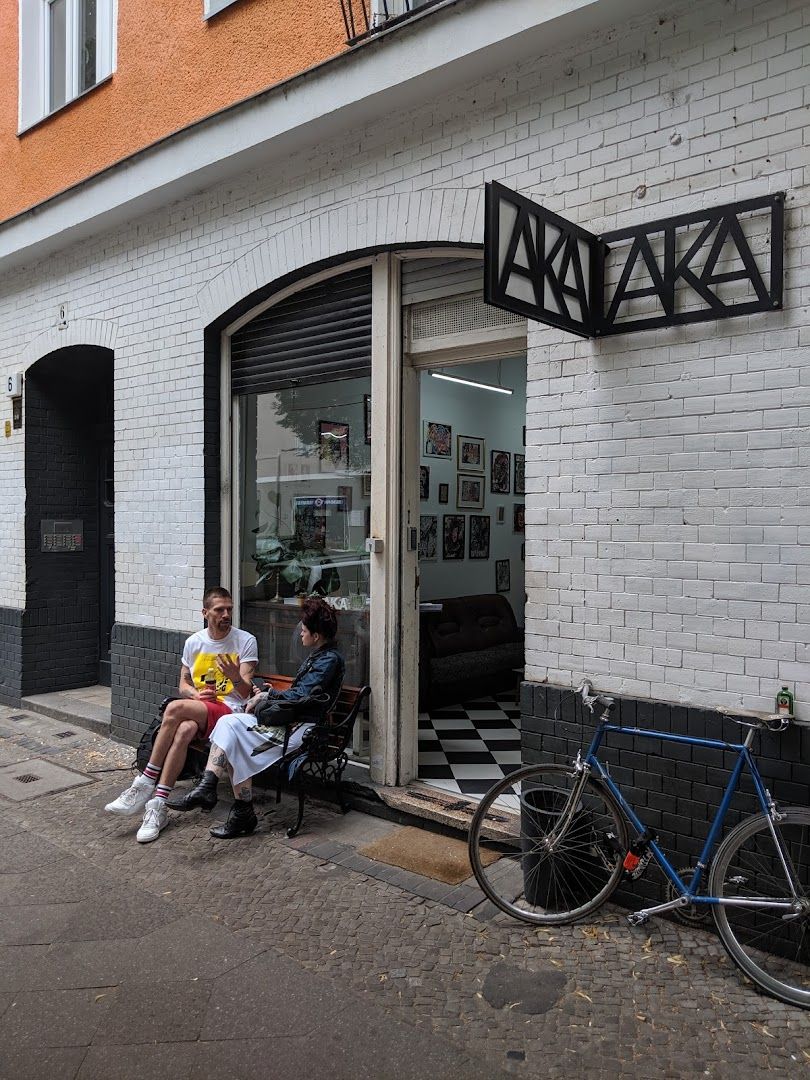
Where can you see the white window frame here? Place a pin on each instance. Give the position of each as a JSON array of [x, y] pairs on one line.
[[34, 52], [213, 7]]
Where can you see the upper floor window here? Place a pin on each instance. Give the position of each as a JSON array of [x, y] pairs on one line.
[[66, 48]]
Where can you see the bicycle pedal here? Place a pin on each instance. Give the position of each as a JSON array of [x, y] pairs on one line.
[[637, 918]]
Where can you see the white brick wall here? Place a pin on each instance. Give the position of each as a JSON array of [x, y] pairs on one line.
[[667, 505]]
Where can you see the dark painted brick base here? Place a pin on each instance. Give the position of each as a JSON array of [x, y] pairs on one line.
[[11, 651], [674, 788], [145, 668]]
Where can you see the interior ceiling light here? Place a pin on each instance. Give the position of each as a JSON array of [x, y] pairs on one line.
[[471, 382]]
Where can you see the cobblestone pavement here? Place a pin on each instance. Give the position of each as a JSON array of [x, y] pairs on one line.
[[596, 999]]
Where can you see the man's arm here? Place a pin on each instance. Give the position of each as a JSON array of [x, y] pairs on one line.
[[187, 688]]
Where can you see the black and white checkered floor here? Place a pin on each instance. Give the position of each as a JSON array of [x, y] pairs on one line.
[[466, 748]]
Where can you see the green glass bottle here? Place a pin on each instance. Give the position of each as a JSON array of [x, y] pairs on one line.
[[784, 702]]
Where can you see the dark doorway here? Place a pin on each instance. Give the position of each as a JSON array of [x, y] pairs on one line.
[[69, 537]]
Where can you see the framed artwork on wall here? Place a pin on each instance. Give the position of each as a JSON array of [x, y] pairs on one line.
[[479, 536], [367, 417], [444, 493], [500, 467], [500, 515], [437, 439], [471, 454], [519, 518], [520, 474], [365, 485], [424, 481], [469, 492], [502, 576], [333, 440], [428, 527], [453, 536]]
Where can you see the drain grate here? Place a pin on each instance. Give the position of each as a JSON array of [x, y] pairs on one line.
[[64, 734], [17, 717], [27, 778]]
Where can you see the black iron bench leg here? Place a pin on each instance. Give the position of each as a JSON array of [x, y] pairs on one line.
[[344, 807], [293, 829]]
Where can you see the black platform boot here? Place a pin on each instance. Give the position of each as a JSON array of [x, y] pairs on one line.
[[241, 821], [203, 795]]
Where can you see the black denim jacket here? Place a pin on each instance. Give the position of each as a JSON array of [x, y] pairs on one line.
[[323, 669]]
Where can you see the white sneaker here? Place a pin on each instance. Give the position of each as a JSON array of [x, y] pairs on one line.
[[155, 819], [134, 799]]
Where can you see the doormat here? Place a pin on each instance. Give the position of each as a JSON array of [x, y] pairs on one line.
[[442, 858]]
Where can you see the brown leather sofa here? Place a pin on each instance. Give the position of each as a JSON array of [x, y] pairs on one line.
[[469, 649]]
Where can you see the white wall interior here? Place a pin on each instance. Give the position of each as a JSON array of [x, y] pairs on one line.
[[499, 420]]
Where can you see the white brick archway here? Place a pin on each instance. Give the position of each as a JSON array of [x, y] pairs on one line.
[[453, 216], [99, 332]]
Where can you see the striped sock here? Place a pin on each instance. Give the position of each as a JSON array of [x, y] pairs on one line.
[[152, 771], [163, 791]]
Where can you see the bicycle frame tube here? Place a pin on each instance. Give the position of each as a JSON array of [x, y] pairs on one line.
[[744, 758]]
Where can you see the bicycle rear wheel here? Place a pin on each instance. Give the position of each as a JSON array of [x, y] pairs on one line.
[[772, 951], [516, 869]]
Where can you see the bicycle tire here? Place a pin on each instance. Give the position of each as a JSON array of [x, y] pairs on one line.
[[772, 952], [526, 880]]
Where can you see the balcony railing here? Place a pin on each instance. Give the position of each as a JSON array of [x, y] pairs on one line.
[[362, 18]]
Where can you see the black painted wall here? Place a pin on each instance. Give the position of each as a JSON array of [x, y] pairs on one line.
[[674, 788], [68, 410], [11, 623], [145, 669]]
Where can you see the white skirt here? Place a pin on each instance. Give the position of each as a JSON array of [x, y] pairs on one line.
[[232, 736]]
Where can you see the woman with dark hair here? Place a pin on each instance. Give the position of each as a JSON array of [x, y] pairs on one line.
[[235, 738]]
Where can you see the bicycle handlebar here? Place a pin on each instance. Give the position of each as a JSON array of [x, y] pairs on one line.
[[774, 724]]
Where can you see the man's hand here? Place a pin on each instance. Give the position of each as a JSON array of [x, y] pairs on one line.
[[229, 668], [259, 697], [205, 695]]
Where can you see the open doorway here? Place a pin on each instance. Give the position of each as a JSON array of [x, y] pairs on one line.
[[471, 571]]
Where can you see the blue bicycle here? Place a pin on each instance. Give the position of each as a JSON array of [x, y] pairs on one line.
[[550, 843]]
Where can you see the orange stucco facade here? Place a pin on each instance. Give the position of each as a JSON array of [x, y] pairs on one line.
[[173, 68]]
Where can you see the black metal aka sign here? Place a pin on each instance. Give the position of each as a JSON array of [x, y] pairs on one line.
[[711, 264]]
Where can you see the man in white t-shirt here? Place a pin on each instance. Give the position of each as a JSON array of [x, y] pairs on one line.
[[215, 678]]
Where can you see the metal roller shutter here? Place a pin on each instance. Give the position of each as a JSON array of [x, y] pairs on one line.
[[317, 335], [436, 279]]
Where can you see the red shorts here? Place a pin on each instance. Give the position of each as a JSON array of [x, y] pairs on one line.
[[215, 709]]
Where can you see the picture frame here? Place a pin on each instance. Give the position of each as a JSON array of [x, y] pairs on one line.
[[519, 485], [345, 493], [519, 518], [444, 493], [502, 575], [500, 515], [437, 439], [333, 443], [428, 537], [470, 453], [424, 482], [454, 529], [479, 536], [500, 472], [469, 492], [367, 418], [365, 484]]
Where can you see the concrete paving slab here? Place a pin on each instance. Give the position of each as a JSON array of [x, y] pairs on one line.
[[64, 966], [194, 946], [168, 1012], [60, 879], [114, 912], [55, 1063], [269, 996], [34, 777], [24, 851], [88, 708], [53, 1018]]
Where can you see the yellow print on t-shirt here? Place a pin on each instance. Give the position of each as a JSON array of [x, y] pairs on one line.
[[206, 662]]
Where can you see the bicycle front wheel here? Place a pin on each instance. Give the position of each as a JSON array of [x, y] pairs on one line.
[[525, 875], [773, 950]]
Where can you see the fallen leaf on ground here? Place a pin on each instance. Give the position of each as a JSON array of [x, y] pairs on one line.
[[677, 960], [582, 994]]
